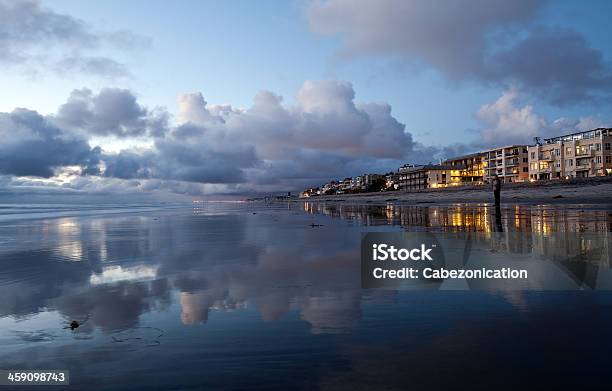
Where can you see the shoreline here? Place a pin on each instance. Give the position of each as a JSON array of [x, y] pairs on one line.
[[586, 191]]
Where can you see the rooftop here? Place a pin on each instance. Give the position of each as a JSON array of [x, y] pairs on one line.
[[471, 155], [506, 147], [577, 135], [429, 167]]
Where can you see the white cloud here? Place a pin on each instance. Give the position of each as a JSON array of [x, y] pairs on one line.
[[506, 121], [268, 146]]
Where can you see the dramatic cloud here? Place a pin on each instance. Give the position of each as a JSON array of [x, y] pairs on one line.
[[31, 34], [265, 147], [558, 63], [488, 41], [506, 121], [324, 134], [325, 118], [113, 112], [269, 146], [31, 146]]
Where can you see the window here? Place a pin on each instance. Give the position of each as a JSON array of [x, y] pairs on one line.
[[557, 152], [598, 159], [608, 146], [598, 147], [608, 159], [525, 169], [570, 162], [558, 164], [525, 160], [568, 150], [533, 155], [534, 166]]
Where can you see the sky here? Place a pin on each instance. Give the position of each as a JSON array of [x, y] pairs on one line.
[[228, 99]]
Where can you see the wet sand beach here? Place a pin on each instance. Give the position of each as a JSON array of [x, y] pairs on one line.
[[187, 298]]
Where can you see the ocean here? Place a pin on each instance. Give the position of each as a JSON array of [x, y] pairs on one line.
[[256, 296]]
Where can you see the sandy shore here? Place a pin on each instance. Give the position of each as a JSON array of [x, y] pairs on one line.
[[587, 191]]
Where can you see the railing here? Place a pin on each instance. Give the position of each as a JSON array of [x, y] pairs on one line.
[[583, 153]]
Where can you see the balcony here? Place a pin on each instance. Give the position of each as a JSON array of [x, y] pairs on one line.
[[584, 153]]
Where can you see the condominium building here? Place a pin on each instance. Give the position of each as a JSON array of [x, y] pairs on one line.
[[510, 163], [413, 178], [470, 167], [582, 154]]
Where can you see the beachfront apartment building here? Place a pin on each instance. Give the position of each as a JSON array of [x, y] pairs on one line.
[[510, 163], [415, 177], [470, 167], [575, 155], [581, 154]]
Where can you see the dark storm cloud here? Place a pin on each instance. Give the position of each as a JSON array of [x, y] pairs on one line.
[[269, 146], [112, 111], [323, 135], [558, 62], [175, 160], [491, 41], [32, 34], [31, 146]]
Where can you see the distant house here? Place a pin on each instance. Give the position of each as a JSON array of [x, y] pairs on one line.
[[510, 163], [415, 177], [470, 167]]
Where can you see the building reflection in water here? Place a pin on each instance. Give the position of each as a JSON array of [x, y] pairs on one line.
[[553, 233], [538, 219]]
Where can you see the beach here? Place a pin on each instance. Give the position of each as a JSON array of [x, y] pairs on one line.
[[185, 297], [595, 191]]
